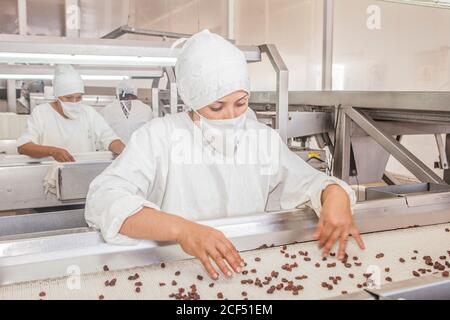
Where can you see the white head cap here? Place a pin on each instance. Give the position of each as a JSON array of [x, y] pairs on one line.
[[210, 68], [126, 87], [67, 81]]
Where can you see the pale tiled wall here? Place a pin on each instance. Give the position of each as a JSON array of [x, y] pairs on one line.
[[410, 51], [8, 17], [46, 17], [183, 16], [295, 26]]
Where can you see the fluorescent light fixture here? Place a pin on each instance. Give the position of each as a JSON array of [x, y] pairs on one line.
[[444, 4], [50, 77], [101, 78], [45, 58]]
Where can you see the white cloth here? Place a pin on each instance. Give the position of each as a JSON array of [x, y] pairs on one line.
[[67, 81], [152, 172], [124, 127], [51, 184], [51, 179], [209, 68], [88, 133]]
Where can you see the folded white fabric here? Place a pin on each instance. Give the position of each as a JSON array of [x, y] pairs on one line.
[[51, 185]]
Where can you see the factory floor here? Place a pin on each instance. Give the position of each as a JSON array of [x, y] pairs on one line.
[[295, 271]]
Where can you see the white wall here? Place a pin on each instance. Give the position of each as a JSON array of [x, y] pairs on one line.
[[295, 26], [410, 52]]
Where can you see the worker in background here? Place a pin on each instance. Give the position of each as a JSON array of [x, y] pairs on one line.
[[156, 191], [126, 114], [66, 126]]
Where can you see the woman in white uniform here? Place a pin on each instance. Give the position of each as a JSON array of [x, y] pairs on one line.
[[66, 126], [127, 114], [211, 162]]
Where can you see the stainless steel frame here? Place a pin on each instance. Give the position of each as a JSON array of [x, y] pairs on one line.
[[123, 30], [399, 152], [380, 115], [172, 87], [22, 186], [432, 287], [47, 254], [327, 47], [100, 47], [282, 102]]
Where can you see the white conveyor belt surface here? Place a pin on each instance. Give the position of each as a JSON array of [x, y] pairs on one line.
[[381, 260]]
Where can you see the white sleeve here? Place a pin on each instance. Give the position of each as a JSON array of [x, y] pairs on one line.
[[104, 135], [34, 130], [122, 189], [302, 184]]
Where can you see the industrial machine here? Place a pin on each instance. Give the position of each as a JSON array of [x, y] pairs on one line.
[[48, 251]]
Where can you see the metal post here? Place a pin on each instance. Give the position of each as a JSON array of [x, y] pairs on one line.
[[172, 86], [442, 155], [342, 148], [22, 12], [327, 48], [282, 99], [230, 19], [391, 145], [11, 95], [73, 18], [447, 152], [155, 102]]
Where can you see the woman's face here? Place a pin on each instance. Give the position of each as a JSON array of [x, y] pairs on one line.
[[76, 97], [229, 107]]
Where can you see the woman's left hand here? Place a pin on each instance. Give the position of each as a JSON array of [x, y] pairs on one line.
[[336, 222]]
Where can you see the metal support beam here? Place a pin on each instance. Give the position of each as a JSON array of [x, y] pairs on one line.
[[117, 33], [391, 145], [230, 19], [155, 102], [22, 13], [73, 18], [442, 155], [327, 48], [328, 142], [172, 86], [282, 95], [447, 152], [342, 147], [11, 95]]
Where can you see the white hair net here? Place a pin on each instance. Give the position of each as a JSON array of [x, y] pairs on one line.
[[67, 81], [209, 68], [126, 87]]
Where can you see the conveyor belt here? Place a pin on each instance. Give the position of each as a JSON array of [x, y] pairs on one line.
[[384, 250]]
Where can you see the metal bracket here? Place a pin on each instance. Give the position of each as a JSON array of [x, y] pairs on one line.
[[442, 154], [391, 145], [342, 148], [172, 87], [122, 30], [282, 98]]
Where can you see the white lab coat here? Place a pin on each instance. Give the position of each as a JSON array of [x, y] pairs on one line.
[[124, 127], [88, 133], [149, 173]]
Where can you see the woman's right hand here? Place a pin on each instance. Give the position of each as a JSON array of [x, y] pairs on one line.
[[61, 155], [207, 243]]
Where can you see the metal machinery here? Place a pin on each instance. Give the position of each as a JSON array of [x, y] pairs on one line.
[[52, 236]]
